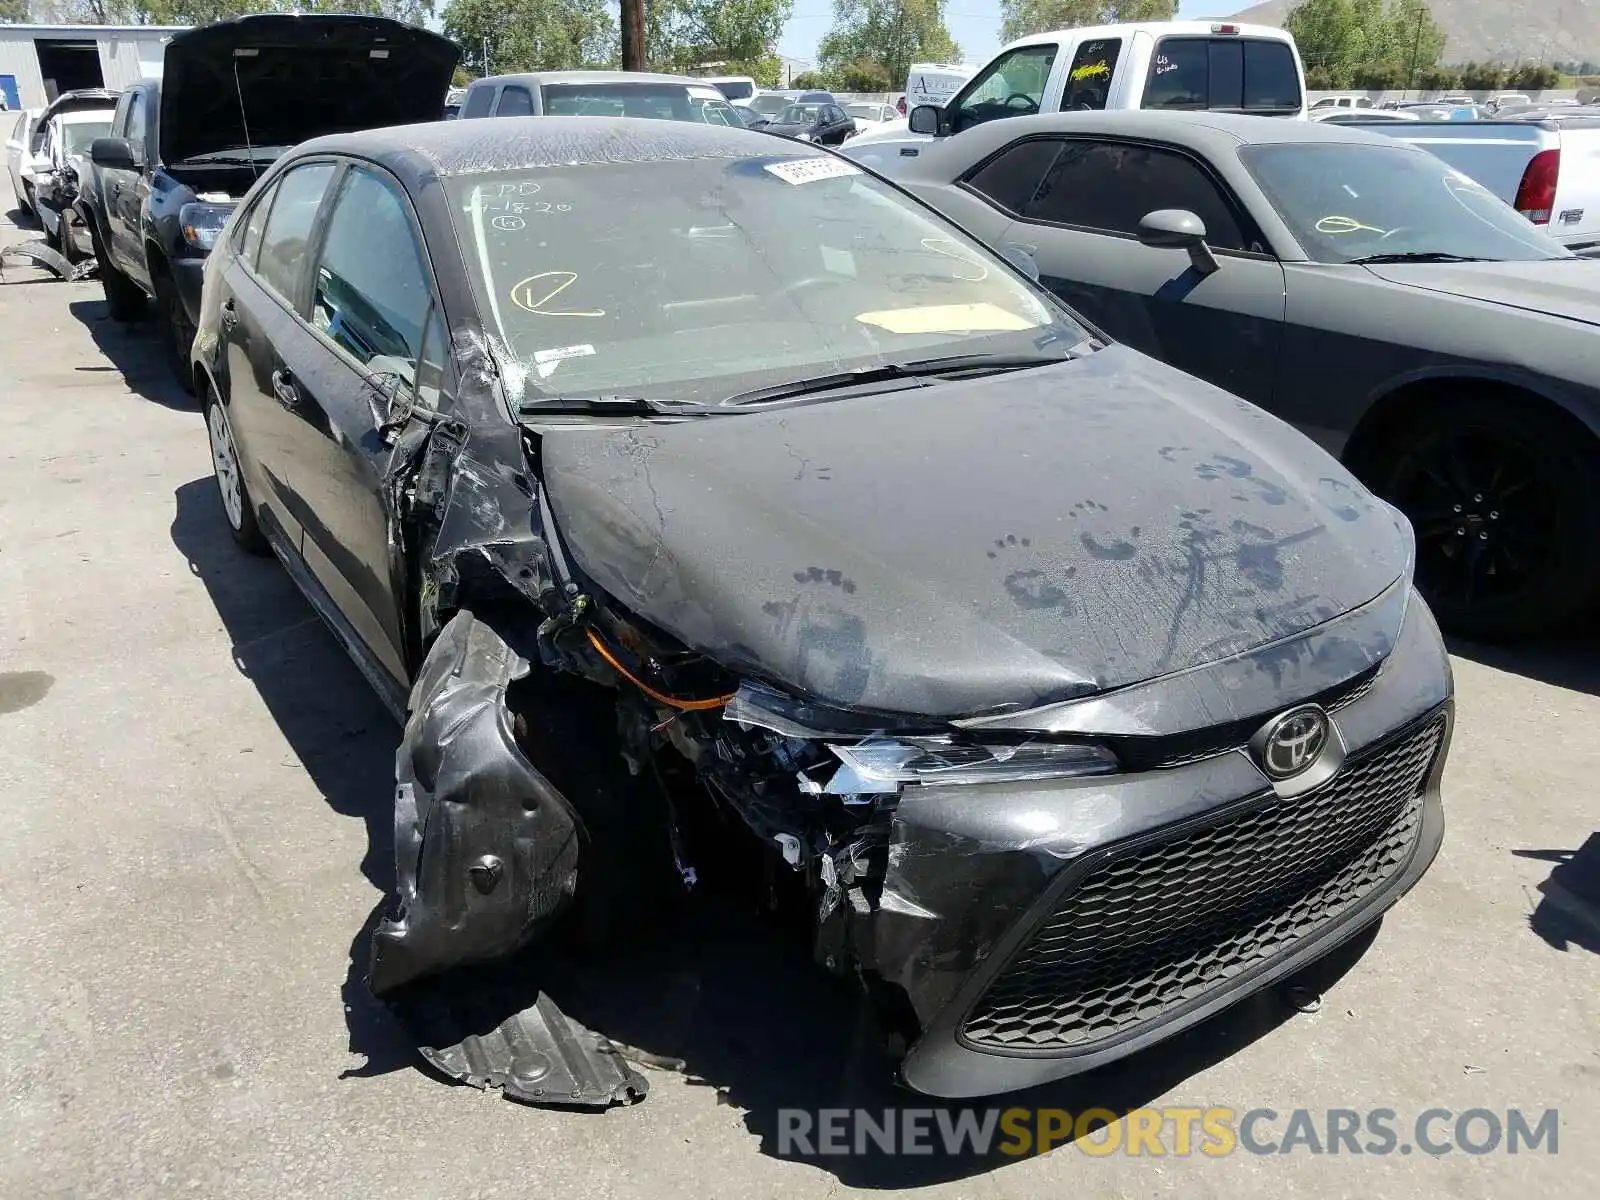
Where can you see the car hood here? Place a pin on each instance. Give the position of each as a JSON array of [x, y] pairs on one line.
[[1563, 287], [975, 546], [886, 131], [293, 77]]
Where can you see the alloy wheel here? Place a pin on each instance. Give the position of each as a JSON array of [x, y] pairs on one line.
[[226, 464]]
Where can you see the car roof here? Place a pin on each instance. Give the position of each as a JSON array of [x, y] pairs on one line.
[[441, 149], [542, 77]]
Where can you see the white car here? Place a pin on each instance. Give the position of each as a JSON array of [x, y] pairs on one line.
[[67, 138], [871, 116], [19, 157]]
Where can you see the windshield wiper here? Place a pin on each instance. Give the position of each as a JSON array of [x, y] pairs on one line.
[[888, 372], [609, 404], [1417, 256]]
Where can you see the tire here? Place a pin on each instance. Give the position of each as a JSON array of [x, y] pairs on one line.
[[232, 491], [124, 300], [177, 332], [1504, 496]]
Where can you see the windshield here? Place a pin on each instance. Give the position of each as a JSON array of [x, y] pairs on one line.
[[1347, 202], [798, 114], [78, 135], [769, 106], [867, 112], [695, 279]]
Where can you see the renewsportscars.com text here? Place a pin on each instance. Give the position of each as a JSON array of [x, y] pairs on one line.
[[1158, 1132]]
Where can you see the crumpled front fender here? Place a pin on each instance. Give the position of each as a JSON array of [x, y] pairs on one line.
[[486, 850]]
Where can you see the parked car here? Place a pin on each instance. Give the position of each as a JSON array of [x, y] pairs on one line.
[[825, 124], [750, 118], [598, 94], [868, 116], [68, 127], [1352, 116], [1170, 65], [1509, 100], [770, 104], [21, 148], [585, 436], [737, 89], [1353, 101], [1357, 287], [1547, 168], [232, 97]]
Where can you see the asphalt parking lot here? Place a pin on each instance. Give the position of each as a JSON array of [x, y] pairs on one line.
[[196, 785]]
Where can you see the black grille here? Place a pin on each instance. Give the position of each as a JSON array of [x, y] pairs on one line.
[[1180, 749], [1150, 929]]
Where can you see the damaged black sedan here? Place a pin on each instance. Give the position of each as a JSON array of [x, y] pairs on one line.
[[700, 500]]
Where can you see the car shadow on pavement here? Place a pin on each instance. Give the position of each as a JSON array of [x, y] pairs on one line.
[[1571, 662], [135, 349], [717, 990], [330, 716], [1568, 914]]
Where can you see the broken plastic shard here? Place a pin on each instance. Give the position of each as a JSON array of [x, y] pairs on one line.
[[790, 845], [746, 708], [870, 768]]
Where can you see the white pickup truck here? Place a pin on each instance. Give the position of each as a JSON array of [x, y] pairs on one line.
[[1548, 169], [1167, 65]]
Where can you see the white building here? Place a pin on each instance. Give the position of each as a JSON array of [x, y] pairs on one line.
[[38, 62]]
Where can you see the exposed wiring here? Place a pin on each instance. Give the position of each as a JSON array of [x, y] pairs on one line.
[[659, 697]]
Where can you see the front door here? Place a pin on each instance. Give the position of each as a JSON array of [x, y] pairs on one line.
[[1078, 203]]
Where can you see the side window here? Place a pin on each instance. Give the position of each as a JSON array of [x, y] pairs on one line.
[[1011, 178], [288, 227], [138, 124], [1089, 77], [255, 222], [1110, 186], [478, 101], [514, 102], [1011, 86], [1180, 74], [430, 365], [371, 294]]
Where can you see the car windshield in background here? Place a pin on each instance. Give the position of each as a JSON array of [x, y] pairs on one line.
[[1348, 203], [736, 89], [80, 134], [769, 106], [798, 114], [697, 279], [868, 112], [652, 101]]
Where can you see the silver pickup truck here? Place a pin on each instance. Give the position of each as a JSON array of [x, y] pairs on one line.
[[1546, 167]]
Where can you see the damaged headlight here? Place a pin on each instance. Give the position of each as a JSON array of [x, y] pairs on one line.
[[881, 767], [202, 223]]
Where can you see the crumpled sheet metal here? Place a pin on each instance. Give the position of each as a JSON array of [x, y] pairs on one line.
[[37, 253]]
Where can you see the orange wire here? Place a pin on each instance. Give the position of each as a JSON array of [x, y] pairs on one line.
[[685, 705]]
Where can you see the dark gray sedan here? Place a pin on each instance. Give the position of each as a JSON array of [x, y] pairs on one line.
[[1389, 306]]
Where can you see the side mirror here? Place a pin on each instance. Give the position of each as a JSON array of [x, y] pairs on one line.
[[1021, 257], [925, 119], [1179, 229], [112, 152]]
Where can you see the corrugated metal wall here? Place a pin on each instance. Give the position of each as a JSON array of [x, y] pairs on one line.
[[18, 57], [126, 60]]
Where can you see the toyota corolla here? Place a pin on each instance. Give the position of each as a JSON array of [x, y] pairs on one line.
[[709, 509]]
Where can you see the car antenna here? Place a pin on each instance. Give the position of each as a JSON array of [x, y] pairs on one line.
[[238, 90]]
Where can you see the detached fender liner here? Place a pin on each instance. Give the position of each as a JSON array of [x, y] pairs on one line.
[[486, 857]]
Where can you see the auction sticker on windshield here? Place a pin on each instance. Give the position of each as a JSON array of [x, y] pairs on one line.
[[809, 170]]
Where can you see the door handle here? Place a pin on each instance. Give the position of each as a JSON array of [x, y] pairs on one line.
[[229, 315], [284, 387]]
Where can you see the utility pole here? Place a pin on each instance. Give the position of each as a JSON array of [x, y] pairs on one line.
[[632, 35], [1416, 51]]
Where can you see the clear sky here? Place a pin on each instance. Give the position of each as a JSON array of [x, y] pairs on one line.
[[974, 24]]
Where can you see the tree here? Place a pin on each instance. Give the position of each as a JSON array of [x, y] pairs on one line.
[[892, 33], [526, 35], [204, 12], [1483, 77], [1019, 18], [808, 81], [13, 12], [1531, 77], [863, 75], [737, 35], [1346, 36], [1439, 79]]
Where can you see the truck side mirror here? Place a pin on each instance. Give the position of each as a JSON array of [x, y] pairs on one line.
[[1179, 229], [112, 152], [925, 119]]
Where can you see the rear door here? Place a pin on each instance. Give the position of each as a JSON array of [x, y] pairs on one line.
[[371, 310], [263, 291], [1078, 203]]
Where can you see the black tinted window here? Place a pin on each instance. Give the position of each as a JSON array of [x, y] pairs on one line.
[[1011, 178], [478, 101], [1271, 80], [1223, 73], [371, 295], [1109, 186], [294, 208], [515, 102], [1089, 78], [138, 123], [255, 222]]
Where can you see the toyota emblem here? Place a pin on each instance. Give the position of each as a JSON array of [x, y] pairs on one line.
[[1292, 741]]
